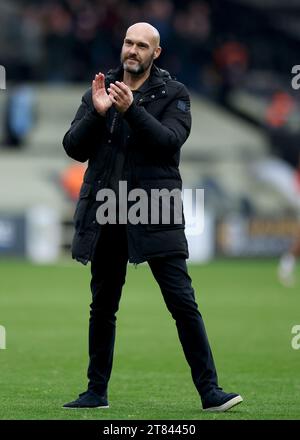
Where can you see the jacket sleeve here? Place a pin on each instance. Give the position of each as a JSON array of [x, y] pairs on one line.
[[79, 138], [171, 131]]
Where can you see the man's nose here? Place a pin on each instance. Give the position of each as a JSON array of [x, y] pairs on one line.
[[133, 50]]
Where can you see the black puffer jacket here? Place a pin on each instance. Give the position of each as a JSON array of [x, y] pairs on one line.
[[159, 123]]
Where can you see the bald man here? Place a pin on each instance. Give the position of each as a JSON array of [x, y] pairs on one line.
[[130, 127]]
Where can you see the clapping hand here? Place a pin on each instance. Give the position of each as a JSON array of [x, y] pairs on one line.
[[120, 95], [101, 100]]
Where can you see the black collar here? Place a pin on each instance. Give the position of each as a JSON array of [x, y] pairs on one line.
[[156, 78], [144, 87]]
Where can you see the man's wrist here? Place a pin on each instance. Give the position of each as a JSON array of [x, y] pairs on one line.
[[95, 112], [129, 108], [93, 115]]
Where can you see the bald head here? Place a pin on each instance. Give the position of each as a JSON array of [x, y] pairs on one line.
[[146, 30], [140, 48]]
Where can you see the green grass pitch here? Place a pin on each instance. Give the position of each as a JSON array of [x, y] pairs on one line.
[[248, 317]]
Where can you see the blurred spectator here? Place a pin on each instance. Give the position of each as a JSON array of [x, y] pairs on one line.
[[31, 37], [279, 109], [19, 116], [191, 42], [232, 60], [71, 180], [284, 136], [159, 13], [58, 42]]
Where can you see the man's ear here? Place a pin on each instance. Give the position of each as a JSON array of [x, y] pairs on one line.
[[157, 52]]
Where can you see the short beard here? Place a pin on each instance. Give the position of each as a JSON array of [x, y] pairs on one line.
[[139, 69]]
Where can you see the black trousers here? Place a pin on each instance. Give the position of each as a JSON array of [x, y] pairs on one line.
[[108, 270]]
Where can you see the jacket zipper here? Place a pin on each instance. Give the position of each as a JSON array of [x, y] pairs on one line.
[[139, 102], [107, 176]]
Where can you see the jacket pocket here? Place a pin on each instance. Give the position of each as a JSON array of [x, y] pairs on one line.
[[83, 204]]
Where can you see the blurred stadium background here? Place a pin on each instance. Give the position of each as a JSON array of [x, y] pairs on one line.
[[236, 58]]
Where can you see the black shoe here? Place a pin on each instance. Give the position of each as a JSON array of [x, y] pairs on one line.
[[88, 399], [218, 400]]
